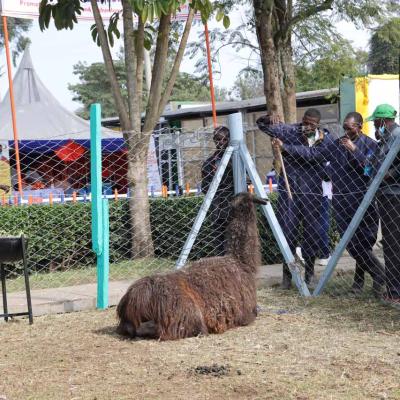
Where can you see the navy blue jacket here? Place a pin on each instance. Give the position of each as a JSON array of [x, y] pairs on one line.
[[391, 183], [305, 174], [349, 171]]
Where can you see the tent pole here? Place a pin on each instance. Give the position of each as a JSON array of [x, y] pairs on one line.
[[12, 101], [210, 75]]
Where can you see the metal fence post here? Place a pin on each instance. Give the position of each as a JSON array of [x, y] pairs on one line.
[[204, 208], [235, 123], [98, 217], [358, 216], [103, 261], [273, 222]]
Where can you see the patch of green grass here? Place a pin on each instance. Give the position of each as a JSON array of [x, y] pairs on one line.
[[120, 271]]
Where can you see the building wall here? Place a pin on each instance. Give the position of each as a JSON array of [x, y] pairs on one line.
[[199, 145]]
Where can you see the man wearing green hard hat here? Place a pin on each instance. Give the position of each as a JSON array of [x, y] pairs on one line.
[[388, 198]]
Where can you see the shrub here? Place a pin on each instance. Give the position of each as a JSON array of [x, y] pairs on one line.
[[60, 235]]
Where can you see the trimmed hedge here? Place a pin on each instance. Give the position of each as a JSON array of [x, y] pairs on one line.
[[60, 236]]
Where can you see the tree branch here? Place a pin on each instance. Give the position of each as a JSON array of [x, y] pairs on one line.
[[159, 65], [129, 53], [177, 63], [302, 15], [109, 64], [139, 73]]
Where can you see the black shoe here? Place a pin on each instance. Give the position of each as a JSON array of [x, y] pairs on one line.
[[286, 282], [311, 281], [286, 277], [378, 290]]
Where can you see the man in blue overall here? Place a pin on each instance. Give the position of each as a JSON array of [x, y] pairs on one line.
[[300, 218], [389, 199], [350, 161]]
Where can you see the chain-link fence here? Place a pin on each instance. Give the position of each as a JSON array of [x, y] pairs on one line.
[[54, 210], [326, 178]]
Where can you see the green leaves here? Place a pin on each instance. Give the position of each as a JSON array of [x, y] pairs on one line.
[[385, 48], [149, 10], [226, 21], [64, 13], [112, 30]]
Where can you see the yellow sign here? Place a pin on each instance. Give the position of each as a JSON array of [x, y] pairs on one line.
[[5, 170]]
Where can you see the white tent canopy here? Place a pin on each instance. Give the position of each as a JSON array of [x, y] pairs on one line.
[[39, 115]]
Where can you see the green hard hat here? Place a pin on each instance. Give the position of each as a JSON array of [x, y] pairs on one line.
[[383, 111]]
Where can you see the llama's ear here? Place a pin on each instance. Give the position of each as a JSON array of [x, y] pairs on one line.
[[259, 200]]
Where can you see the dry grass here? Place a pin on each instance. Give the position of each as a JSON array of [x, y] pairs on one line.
[[323, 349]]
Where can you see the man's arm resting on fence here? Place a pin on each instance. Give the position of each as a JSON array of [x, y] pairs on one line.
[[273, 127]]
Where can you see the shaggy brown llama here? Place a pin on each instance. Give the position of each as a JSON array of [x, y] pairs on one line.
[[211, 295]]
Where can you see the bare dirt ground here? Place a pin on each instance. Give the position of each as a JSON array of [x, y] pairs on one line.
[[327, 348]]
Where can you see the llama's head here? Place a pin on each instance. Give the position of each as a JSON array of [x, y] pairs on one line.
[[243, 205]]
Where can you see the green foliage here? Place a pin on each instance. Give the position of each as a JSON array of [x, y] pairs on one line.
[[65, 12], [385, 49], [94, 87], [335, 62], [248, 84], [17, 28], [60, 236]]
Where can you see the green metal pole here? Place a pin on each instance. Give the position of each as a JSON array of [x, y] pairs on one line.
[[103, 261], [98, 218]]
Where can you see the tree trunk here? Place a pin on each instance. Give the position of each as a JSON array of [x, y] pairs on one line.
[[109, 65], [139, 206], [269, 56], [130, 120], [138, 144], [289, 82]]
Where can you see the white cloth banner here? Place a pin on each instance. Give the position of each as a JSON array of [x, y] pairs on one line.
[[30, 9]]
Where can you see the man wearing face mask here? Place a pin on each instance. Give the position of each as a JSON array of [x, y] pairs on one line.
[[305, 181], [350, 162], [389, 199], [352, 158], [221, 204]]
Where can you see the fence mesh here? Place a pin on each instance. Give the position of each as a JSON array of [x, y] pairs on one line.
[[328, 176]]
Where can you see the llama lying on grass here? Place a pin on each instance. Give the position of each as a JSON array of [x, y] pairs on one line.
[[211, 295]]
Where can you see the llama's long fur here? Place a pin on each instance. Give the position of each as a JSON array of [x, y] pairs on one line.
[[211, 295]]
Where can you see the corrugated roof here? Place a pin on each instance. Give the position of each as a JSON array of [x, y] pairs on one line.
[[232, 106]]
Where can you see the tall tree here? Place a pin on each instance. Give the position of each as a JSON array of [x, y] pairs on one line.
[[297, 32], [277, 20], [135, 37], [248, 84], [17, 28], [329, 66], [384, 50], [94, 86]]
